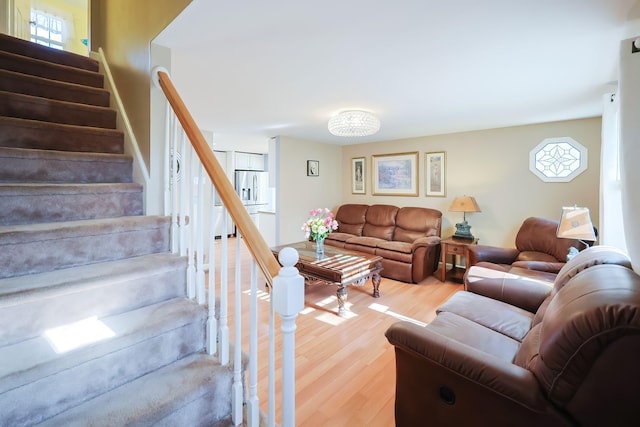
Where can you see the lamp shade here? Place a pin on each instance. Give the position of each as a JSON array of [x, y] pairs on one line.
[[575, 223], [354, 123], [465, 204]]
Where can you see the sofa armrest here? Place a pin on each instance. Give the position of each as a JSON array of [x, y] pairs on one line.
[[449, 383], [494, 254], [524, 291], [426, 241]]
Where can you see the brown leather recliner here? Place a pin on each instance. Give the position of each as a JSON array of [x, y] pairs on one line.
[[537, 248], [489, 362]]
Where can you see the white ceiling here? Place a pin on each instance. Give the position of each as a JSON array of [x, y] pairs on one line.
[[249, 70]]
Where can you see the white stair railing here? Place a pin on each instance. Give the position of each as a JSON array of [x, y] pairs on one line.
[[191, 173]]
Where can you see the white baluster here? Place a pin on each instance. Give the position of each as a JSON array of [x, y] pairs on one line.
[[224, 294], [212, 323], [169, 117], [253, 403], [288, 299], [236, 391], [183, 199], [200, 238], [174, 188], [272, 362], [191, 269]]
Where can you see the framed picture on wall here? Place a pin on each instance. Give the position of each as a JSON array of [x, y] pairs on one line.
[[358, 175], [435, 165], [313, 168], [395, 174]]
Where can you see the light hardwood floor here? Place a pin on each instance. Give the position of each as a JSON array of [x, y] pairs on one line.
[[345, 367]]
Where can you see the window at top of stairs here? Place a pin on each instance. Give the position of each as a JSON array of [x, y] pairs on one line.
[[47, 29]]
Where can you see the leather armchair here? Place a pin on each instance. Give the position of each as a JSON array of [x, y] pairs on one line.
[[487, 362], [537, 248]]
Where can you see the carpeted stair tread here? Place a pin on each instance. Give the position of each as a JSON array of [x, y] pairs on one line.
[[36, 108], [17, 290], [33, 50], [154, 398], [44, 202], [27, 189], [35, 67], [32, 165], [103, 289], [47, 382], [37, 248], [37, 357], [11, 81], [24, 133]]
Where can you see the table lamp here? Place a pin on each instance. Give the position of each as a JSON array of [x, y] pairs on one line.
[[575, 223], [464, 204]]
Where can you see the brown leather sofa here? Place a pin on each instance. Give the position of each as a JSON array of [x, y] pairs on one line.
[[537, 248], [407, 239], [490, 362]]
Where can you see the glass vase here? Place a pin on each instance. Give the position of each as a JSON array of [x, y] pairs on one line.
[[320, 245]]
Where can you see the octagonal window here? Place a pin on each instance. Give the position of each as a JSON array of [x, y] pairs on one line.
[[558, 159]]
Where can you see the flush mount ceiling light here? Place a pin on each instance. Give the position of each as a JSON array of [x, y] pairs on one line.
[[354, 123]]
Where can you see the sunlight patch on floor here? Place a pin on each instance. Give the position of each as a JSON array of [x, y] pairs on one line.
[[334, 319], [261, 295], [384, 309], [331, 317], [78, 334]]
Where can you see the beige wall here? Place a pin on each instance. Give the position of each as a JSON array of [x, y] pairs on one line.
[[298, 193], [124, 29], [493, 166]]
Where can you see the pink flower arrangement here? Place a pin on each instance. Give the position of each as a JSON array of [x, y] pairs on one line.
[[320, 224]]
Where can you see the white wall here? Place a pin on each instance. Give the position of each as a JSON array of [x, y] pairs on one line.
[[630, 147], [493, 166], [298, 193]]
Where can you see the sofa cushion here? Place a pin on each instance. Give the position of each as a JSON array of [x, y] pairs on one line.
[[395, 255], [394, 246], [501, 317], [360, 248], [465, 331], [371, 242], [529, 256], [351, 218], [339, 237], [413, 223], [380, 221], [524, 288]]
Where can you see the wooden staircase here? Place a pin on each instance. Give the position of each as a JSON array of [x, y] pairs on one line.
[[76, 250]]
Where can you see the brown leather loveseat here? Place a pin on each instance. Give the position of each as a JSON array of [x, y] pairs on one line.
[[489, 362], [407, 239]]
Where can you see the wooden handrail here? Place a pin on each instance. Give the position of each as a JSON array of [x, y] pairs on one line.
[[252, 237]]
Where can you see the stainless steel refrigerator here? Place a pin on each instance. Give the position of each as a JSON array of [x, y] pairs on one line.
[[253, 189]]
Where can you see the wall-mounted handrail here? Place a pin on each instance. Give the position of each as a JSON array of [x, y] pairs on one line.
[[252, 237]]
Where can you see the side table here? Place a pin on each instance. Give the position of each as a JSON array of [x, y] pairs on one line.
[[454, 246]]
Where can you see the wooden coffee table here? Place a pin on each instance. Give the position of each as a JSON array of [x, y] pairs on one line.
[[339, 267]]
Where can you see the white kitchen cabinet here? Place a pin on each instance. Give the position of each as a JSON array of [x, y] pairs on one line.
[[267, 226], [249, 161]]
